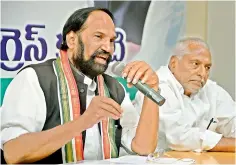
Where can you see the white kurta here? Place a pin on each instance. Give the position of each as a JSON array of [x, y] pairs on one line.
[[24, 111], [183, 119]]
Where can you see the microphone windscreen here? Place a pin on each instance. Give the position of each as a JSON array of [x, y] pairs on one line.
[[118, 68]]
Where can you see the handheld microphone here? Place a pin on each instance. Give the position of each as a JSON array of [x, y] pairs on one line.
[[117, 69]]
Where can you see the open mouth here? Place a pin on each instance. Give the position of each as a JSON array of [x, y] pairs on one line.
[[101, 59]]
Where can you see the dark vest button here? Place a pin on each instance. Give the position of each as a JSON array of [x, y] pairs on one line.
[[81, 90]]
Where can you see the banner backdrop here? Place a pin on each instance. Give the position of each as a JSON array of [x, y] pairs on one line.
[[31, 32]]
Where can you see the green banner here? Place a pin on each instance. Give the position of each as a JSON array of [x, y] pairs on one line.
[[4, 83]]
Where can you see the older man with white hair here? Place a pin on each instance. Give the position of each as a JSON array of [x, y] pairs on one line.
[[198, 114]]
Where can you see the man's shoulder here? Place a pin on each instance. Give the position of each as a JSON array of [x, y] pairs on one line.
[[167, 80], [46, 65], [164, 74], [211, 82], [211, 85], [116, 89], [111, 80], [108, 76], [43, 70]]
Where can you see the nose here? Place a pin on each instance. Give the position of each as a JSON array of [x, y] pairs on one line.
[[202, 71], [108, 46]]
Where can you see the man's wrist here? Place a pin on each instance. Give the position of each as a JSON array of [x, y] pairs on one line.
[[80, 124]]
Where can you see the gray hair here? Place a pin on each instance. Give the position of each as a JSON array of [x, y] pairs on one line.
[[182, 46]]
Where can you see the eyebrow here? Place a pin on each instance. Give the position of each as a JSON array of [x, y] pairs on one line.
[[114, 37], [196, 60]]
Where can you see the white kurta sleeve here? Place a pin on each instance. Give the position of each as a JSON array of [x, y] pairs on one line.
[[129, 122], [24, 106], [178, 127], [225, 113]]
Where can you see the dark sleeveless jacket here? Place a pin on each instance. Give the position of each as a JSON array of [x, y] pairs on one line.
[[48, 83]]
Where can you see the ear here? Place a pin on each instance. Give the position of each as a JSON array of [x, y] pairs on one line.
[[70, 39], [173, 63]]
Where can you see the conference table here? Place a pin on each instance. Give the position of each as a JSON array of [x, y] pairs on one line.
[[172, 157], [205, 157], [178, 157]]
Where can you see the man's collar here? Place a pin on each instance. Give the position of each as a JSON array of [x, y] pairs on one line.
[[178, 85]]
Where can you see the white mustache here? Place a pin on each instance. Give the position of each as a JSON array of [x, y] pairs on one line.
[[202, 81]]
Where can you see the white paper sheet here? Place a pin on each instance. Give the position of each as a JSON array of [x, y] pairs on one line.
[[131, 159]]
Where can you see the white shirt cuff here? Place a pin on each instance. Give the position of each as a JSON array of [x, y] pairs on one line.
[[210, 139], [11, 133], [126, 141]]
